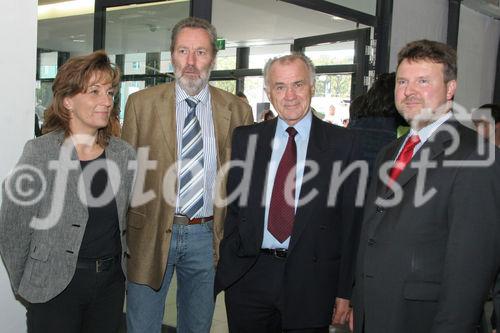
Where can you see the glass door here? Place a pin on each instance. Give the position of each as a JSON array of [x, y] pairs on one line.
[[136, 35], [342, 64]]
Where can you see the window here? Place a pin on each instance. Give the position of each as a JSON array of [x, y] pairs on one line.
[[65, 29]]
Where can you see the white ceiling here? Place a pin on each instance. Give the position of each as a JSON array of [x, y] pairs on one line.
[[147, 29], [243, 20]]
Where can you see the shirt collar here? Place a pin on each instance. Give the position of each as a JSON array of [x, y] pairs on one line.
[[181, 95], [302, 127], [426, 132]]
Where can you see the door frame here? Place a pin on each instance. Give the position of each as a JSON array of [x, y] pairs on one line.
[[198, 8], [361, 66]]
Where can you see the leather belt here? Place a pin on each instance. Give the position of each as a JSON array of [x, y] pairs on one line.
[[278, 253], [97, 265], [184, 220]]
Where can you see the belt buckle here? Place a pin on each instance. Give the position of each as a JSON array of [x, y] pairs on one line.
[[181, 219], [102, 265], [280, 253]]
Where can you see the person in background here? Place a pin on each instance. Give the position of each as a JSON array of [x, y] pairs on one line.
[[286, 263], [267, 115], [487, 118], [330, 115], [374, 117], [63, 251], [187, 126]]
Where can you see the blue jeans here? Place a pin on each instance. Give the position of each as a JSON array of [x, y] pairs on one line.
[[191, 255]]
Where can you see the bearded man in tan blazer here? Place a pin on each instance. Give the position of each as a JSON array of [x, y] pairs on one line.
[[184, 130]]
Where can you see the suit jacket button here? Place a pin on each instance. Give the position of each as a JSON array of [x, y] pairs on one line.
[[379, 209], [371, 242], [169, 231], [315, 259]]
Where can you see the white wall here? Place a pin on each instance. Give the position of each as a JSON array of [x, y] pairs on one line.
[[412, 20], [17, 102], [477, 58]]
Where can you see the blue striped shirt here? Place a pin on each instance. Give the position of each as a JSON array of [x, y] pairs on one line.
[[204, 115]]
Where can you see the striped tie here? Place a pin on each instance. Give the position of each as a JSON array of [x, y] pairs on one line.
[[191, 176]]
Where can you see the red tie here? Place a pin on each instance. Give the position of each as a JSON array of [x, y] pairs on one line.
[[281, 213], [404, 157]]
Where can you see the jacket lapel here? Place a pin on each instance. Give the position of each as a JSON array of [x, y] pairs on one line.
[[430, 150], [391, 153], [164, 108], [118, 184], [221, 114], [257, 195], [315, 152]]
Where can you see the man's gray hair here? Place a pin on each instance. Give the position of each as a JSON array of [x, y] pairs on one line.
[[290, 58], [196, 23]]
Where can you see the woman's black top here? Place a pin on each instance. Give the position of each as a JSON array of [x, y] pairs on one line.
[[102, 234]]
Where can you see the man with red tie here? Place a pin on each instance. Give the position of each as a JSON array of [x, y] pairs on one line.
[[287, 256], [429, 246]]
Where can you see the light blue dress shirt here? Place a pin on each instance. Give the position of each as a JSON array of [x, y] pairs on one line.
[[303, 128], [424, 133], [204, 115]]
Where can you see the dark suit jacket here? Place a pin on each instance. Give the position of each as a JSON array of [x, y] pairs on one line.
[[319, 265], [427, 268]]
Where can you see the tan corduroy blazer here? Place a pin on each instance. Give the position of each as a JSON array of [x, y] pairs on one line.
[[150, 122]]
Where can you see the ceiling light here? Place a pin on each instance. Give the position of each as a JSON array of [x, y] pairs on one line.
[[336, 18], [67, 8]]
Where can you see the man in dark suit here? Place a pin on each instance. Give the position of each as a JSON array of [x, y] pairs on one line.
[[287, 252], [429, 246]]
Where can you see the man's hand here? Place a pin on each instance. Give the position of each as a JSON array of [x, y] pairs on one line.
[[341, 312]]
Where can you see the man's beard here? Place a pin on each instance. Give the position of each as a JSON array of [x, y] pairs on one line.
[[192, 86]]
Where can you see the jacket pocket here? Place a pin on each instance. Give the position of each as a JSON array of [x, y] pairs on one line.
[[40, 268], [421, 290]]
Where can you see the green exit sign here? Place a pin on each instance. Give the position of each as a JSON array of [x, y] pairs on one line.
[[221, 44]]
